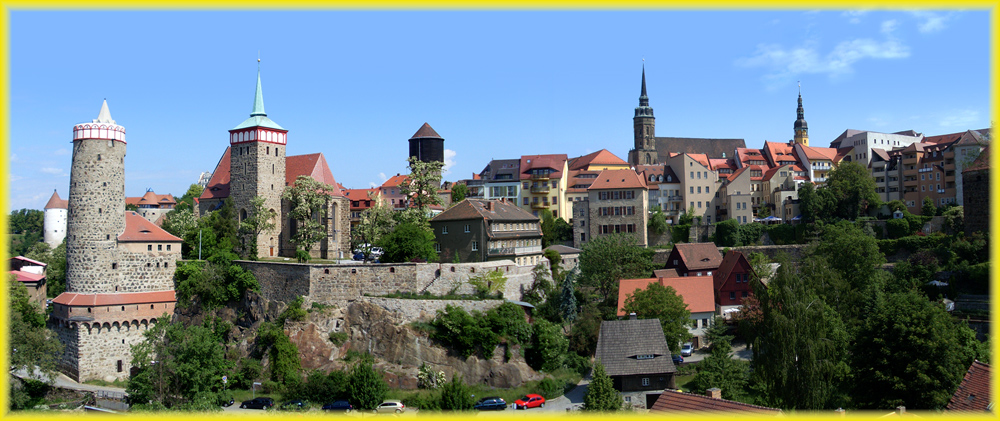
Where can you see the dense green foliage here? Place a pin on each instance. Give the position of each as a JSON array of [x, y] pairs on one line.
[[34, 345], [285, 364], [456, 395], [657, 224], [469, 334], [601, 394], [458, 192], [727, 233], [853, 190], [607, 259], [55, 271], [179, 366], [409, 242], [320, 388], [662, 302], [259, 218], [680, 233], [308, 200], [489, 284], [214, 283], [548, 348], [26, 229], [186, 202], [366, 387], [719, 369], [421, 185], [554, 230]]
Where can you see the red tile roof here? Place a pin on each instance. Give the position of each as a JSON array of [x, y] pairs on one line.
[[32, 261], [665, 273], [982, 162], [973, 394], [361, 196], [702, 159], [699, 255], [151, 198], [312, 165], [425, 131], [138, 228], [218, 186], [118, 298], [554, 161], [813, 152], [736, 174], [56, 203], [601, 157], [395, 181], [778, 152], [696, 291], [674, 401], [23, 276], [618, 179]]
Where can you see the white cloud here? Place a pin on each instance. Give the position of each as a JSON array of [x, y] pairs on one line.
[[854, 16], [61, 151], [786, 63], [50, 170], [382, 179], [960, 119], [13, 158], [449, 161], [930, 22]]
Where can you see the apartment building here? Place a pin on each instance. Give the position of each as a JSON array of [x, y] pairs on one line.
[[617, 202], [700, 184], [543, 184]]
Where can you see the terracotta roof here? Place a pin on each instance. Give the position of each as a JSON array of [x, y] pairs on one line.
[[23, 276], [218, 186], [943, 138], [151, 198], [601, 157], [138, 228], [665, 273], [426, 131], [118, 298], [699, 255], [842, 152], [701, 158], [746, 154], [555, 162], [736, 174], [778, 152], [394, 181], [361, 196], [696, 291], [56, 203], [813, 152], [729, 263], [476, 209], [981, 163], [618, 179], [620, 342], [973, 394], [717, 163], [711, 147], [312, 165], [674, 401]]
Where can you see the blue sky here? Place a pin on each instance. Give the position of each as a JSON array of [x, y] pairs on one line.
[[356, 85]]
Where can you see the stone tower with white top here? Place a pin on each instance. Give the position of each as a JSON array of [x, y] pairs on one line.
[[119, 267]]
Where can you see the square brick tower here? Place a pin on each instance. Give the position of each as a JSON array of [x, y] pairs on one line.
[[119, 267]]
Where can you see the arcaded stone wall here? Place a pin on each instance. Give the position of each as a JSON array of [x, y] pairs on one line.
[[100, 351]]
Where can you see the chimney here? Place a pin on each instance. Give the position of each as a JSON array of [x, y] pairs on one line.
[[631, 316], [900, 410], [489, 205], [714, 393]]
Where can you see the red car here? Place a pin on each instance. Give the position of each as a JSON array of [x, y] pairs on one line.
[[530, 400]]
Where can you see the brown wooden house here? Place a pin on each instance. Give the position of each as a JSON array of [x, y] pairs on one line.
[[635, 355], [694, 259]]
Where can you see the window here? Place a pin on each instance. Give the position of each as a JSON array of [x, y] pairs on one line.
[[467, 229], [583, 237], [692, 174], [645, 357], [475, 246], [437, 247], [699, 205], [168, 247], [444, 230], [645, 381], [149, 247], [691, 189], [525, 200], [159, 247], [699, 189], [744, 294]]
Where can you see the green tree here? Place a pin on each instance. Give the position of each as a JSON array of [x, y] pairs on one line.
[[259, 218], [187, 200], [662, 302], [927, 208], [366, 387], [799, 343], [761, 265], [489, 284], [180, 222], [657, 224], [567, 296], [811, 204], [895, 205], [601, 394], [422, 184], [607, 259], [456, 395], [727, 233], [55, 271], [548, 226], [851, 252], [308, 200], [719, 369], [908, 352], [26, 227], [31, 344], [458, 192], [853, 189], [376, 222], [548, 351], [687, 217], [409, 242], [285, 363]]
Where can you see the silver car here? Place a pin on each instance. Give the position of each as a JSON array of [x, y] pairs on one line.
[[389, 407]]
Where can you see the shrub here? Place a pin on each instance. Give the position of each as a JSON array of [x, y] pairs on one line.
[[294, 311], [550, 388], [456, 396], [338, 338], [750, 233], [727, 233], [897, 228], [680, 233]]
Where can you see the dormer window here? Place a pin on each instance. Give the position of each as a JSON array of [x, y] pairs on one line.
[[645, 357]]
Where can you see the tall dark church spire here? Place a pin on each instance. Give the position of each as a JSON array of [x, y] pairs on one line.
[[644, 152], [801, 127]]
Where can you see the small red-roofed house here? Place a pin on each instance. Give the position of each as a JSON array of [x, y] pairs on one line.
[[694, 259], [152, 206], [677, 403], [732, 282], [31, 274], [973, 394]]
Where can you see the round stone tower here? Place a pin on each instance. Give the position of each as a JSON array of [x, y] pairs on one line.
[[96, 205]]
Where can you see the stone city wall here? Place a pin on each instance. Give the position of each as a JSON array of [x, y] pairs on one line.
[[335, 283], [99, 351], [407, 311]]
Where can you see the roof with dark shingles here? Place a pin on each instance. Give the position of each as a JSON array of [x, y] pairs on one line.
[[621, 341], [673, 401], [973, 394], [476, 209], [563, 250], [699, 255], [138, 228], [497, 167], [426, 131], [692, 145]]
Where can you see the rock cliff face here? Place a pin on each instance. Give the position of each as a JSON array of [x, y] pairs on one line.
[[398, 349]]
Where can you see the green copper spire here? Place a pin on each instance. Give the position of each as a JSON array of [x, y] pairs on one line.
[[258, 98]]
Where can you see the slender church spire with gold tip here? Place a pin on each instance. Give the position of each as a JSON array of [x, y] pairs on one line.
[[801, 127], [644, 125]]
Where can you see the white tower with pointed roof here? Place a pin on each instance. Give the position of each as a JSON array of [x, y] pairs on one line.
[[54, 222]]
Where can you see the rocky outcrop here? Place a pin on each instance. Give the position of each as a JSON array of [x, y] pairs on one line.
[[399, 350]]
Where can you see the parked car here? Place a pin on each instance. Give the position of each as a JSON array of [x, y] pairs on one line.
[[687, 349], [677, 358], [530, 400], [388, 407], [374, 252], [295, 405], [258, 403], [492, 403], [338, 406]]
